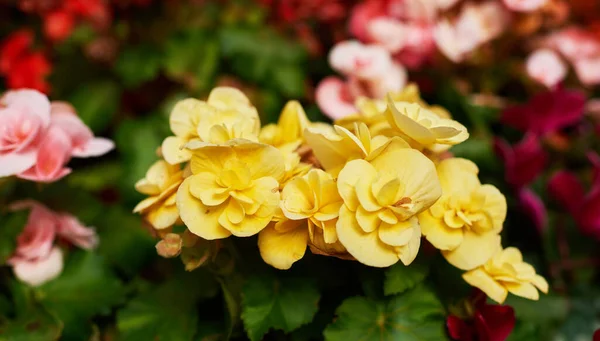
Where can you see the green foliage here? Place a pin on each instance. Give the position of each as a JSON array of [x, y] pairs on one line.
[[399, 277], [168, 311], [269, 302], [413, 316], [97, 103], [85, 289], [12, 224], [138, 64]]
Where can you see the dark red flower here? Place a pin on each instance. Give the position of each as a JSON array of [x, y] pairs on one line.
[[30, 72], [568, 190], [596, 336], [546, 112], [58, 25], [13, 48], [95, 11], [523, 162], [489, 322], [533, 207]]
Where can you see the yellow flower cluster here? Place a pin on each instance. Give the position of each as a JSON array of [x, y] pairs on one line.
[[366, 188]]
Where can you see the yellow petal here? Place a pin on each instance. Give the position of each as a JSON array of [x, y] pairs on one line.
[[297, 199], [415, 171], [458, 175], [249, 226], [365, 247], [262, 160], [438, 234], [201, 220], [365, 195], [453, 133], [211, 159], [145, 204], [281, 250], [387, 216], [329, 211], [349, 176], [480, 279], [474, 250], [293, 121], [264, 192], [173, 150], [526, 290], [186, 116], [400, 233], [146, 187], [205, 187], [409, 252], [495, 205], [368, 221], [510, 255], [163, 217], [540, 283], [227, 97], [399, 115], [327, 149], [387, 192]]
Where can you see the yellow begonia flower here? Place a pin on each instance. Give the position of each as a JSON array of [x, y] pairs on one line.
[[422, 127], [411, 94], [289, 128], [234, 189], [334, 149], [506, 272], [466, 221], [161, 183], [377, 223], [312, 198], [227, 114]]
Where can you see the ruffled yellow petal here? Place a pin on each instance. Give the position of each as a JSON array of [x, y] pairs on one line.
[[173, 150], [399, 234], [204, 186], [480, 279], [282, 249], [438, 234], [409, 252], [349, 176], [495, 205], [525, 290], [186, 115], [163, 217], [474, 251]]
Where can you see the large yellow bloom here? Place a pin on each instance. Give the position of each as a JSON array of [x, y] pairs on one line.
[[234, 189], [466, 221], [423, 128], [506, 272], [161, 183], [227, 114], [311, 204], [377, 223], [334, 149]]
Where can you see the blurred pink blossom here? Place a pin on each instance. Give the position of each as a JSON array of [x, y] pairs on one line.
[[588, 70], [524, 5], [533, 207], [523, 162], [581, 49], [369, 72], [546, 67], [36, 259]]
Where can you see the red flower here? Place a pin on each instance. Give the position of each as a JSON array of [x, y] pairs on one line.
[[523, 162], [566, 189], [596, 335], [13, 48], [489, 322], [58, 25], [546, 112]]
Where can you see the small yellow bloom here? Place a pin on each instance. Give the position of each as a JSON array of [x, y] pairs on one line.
[[466, 221], [289, 128], [310, 205], [161, 183], [334, 149], [506, 272], [421, 127], [411, 94], [234, 189], [377, 223], [227, 114]]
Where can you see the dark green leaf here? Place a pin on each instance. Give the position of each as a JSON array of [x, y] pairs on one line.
[[12, 224], [399, 277], [37, 325], [96, 103], [192, 53], [272, 303], [169, 311], [85, 288], [96, 177], [289, 79], [138, 64], [416, 315]]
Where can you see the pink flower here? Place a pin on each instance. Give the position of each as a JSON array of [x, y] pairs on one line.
[[54, 153], [533, 207], [366, 62], [524, 5], [523, 162], [574, 43], [546, 112], [546, 67], [83, 142], [588, 70], [333, 98], [72, 230], [37, 238], [39, 271], [362, 14], [24, 117]]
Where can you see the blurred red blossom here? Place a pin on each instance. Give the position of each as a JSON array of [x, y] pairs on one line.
[[546, 112], [523, 162], [23, 67], [568, 191], [489, 322], [533, 207]]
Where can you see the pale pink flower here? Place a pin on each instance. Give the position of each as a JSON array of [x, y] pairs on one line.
[[588, 70], [332, 96], [24, 117], [41, 270], [83, 142], [524, 5], [546, 67], [54, 153], [352, 58], [574, 44], [73, 231], [37, 238], [388, 32]]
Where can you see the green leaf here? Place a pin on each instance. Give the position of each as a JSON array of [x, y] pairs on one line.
[[289, 79], [416, 315], [168, 312], [231, 288], [85, 289], [138, 64], [11, 226], [399, 277], [545, 310], [36, 325], [96, 177], [96, 103], [277, 303]]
